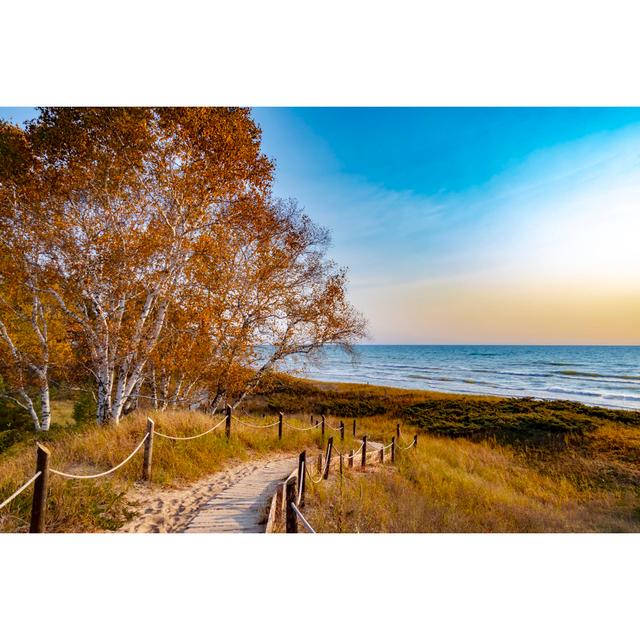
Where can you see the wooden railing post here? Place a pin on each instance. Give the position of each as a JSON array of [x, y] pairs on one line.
[[227, 426], [381, 455], [341, 465], [279, 499], [40, 489], [354, 427], [280, 417], [341, 430], [398, 431], [327, 460], [148, 450], [364, 451], [351, 458], [393, 450], [322, 425], [291, 518], [302, 482], [415, 441], [312, 418]]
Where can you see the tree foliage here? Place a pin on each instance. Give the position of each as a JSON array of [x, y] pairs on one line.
[[153, 255]]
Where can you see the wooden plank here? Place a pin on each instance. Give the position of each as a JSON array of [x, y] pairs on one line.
[[243, 507]]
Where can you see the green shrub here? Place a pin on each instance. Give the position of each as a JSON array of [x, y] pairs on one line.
[[84, 409]]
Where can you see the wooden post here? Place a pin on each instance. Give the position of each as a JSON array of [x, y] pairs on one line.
[[322, 423], [292, 519], [40, 488], [341, 465], [311, 418], [354, 427], [319, 465], [341, 430], [148, 450], [393, 450], [280, 425], [351, 458], [415, 441], [302, 483], [327, 460], [398, 431], [364, 451], [279, 496], [381, 455], [227, 426]]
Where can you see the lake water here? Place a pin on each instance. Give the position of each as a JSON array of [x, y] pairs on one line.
[[602, 376]]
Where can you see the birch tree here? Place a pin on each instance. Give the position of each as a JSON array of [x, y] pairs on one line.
[[154, 232], [130, 194], [25, 356]]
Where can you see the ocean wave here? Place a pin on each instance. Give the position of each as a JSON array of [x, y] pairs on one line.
[[618, 396], [597, 376], [592, 374], [574, 392]]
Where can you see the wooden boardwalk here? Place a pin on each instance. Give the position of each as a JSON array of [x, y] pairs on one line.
[[243, 507]]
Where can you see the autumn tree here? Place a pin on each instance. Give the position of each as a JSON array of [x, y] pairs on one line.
[[25, 316], [155, 233]]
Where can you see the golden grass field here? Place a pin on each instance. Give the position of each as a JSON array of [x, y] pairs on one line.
[[482, 464]]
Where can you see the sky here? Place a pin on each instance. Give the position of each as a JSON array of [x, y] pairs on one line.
[[472, 225]]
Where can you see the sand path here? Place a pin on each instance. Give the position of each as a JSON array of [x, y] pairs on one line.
[[173, 510], [234, 500]]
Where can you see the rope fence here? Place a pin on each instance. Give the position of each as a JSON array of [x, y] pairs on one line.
[[281, 505], [16, 493], [294, 498], [73, 476], [256, 426], [199, 435]]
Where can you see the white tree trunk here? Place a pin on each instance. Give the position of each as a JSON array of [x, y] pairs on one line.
[[45, 407]]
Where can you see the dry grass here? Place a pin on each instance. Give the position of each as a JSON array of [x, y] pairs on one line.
[[100, 504], [62, 413], [483, 464], [459, 486]]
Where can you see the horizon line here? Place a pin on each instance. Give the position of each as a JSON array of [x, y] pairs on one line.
[[485, 344]]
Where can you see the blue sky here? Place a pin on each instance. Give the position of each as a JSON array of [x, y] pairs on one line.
[[474, 225], [469, 225]]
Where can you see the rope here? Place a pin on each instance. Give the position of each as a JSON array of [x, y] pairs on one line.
[[311, 477], [307, 526], [355, 453], [300, 483], [290, 426], [104, 473], [403, 438], [320, 477], [15, 494], [256, 426], [168, 437]]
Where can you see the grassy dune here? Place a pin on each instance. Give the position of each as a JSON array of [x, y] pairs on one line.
[[462, 486], [100, 504], [483, 464]]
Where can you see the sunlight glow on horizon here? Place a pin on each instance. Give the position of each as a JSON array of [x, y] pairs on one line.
[[543, 252]]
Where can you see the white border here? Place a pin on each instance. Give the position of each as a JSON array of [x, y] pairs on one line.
[[336, 52], [330, 53]]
